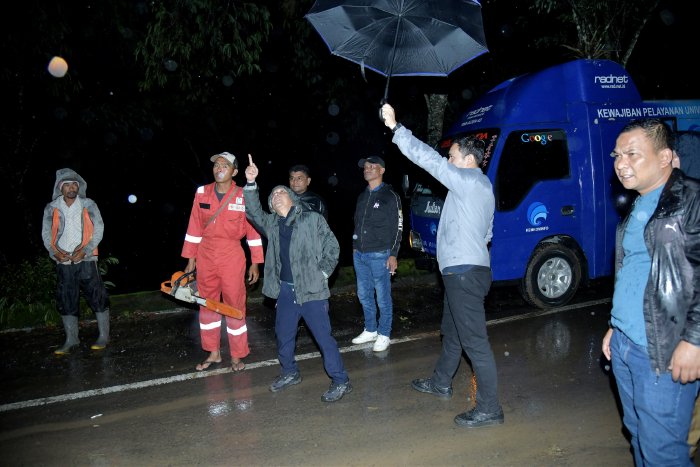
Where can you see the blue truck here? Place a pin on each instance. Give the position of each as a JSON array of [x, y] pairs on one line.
[[548, 137]]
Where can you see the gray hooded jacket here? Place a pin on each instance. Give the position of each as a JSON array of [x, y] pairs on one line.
[[52, 208], [313, 251]]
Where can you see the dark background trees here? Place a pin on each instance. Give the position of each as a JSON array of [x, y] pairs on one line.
[[154, 88]]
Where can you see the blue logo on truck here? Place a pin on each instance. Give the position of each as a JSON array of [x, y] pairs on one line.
[[537, 213]]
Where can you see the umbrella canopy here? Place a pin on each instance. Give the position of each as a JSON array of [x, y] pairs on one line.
[[402, 37]]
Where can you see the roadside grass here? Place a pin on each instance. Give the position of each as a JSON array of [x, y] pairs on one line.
[[28, 311]]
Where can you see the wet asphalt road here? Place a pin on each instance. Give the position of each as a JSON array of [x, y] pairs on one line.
[[141, 403]]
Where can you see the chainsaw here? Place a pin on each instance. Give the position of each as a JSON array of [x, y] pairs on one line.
[[183, 286]]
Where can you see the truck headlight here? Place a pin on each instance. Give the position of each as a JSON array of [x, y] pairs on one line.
[[414, 241]]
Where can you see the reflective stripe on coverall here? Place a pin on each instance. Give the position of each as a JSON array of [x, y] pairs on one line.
[[221, 263]]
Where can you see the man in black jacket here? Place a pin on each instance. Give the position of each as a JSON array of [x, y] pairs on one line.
[[299, 180], [375, 243], [654, 339]]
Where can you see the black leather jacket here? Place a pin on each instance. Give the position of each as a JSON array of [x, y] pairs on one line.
[[672, 293]]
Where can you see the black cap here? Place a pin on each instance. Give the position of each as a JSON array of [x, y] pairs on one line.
[[372, 160]]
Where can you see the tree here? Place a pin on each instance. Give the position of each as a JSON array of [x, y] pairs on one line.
[[598, 28], [197, 44]]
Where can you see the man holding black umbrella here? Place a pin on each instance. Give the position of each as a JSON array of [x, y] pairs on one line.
[[463, 235]]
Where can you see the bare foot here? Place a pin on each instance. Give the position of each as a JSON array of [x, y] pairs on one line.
[[213, 359]]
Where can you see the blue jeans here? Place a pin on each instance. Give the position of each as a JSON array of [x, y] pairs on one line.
[[463, 328], [373, 276], [656, 410], [315, 314]]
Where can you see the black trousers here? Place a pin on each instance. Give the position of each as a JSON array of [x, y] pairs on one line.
[[71, 279], [464, 329]]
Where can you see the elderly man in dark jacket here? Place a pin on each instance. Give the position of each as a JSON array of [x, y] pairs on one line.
[[654, 339], [302, 252]]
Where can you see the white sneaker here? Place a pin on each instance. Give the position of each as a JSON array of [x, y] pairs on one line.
[[366, 336], [381, 344]]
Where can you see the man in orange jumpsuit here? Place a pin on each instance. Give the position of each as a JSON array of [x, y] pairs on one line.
[[213, 246]]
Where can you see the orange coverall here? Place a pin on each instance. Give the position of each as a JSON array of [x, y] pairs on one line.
[[221, 263]]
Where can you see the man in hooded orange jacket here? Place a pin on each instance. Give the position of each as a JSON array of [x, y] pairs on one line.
[[213, 246]]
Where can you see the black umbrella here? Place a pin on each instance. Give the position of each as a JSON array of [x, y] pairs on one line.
[[402, 37]]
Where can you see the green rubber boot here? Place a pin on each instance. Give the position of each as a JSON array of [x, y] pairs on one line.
[[70, 326], [103, 326]]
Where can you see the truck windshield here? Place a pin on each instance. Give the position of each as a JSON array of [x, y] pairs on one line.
[[488, 136]]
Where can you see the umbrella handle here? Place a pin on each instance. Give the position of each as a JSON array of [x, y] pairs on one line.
[[381, 104]]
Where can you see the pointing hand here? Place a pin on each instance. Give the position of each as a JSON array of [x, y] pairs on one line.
[[251, 172]]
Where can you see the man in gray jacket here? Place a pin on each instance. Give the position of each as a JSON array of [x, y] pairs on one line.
[[464, 232], [71, 230], [302, 252]]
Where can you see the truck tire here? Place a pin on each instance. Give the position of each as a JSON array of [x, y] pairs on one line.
[[552, 276]]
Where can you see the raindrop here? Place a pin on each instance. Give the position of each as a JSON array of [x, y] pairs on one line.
[[170, 65], [332, 138], [87, 116], [146, 134], [333, 109], [58, 67], [506, 353], [506, 31], [667, 17], [60, 113], [467, 94], [227, 80], [110, 138], [168, 208], [333, 180], [622, 201], [132, 199]]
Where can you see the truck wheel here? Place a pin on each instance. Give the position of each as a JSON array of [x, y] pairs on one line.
[[552, 276]]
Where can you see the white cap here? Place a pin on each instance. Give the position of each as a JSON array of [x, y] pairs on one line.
[[226, 155]]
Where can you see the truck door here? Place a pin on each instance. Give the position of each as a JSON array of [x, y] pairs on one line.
[[538, 223]]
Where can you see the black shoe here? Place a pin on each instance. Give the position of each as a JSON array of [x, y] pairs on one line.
[[474, 419], [283, 381], [336, 392], [426, 385]]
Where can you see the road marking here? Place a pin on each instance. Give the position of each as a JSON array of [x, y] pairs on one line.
[[266, 363]]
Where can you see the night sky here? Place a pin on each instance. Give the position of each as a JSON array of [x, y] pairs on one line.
[[156, 145]]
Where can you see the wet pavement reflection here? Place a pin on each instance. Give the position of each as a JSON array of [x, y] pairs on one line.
[[555, 391]]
